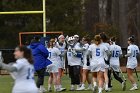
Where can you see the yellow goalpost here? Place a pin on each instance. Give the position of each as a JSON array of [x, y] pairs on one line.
[[43, 12]]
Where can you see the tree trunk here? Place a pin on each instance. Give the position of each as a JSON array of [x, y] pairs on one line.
[[115, 13], [123, 22], [102, 10], [138, 20]]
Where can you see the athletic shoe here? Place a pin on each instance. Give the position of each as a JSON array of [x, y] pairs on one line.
[[72, 89], [95, 88], [49, 89], [124, 86], [134, 88], [42, 89], [109, 89], [99, 92], [81, 88], [62, 89], [89, 87]]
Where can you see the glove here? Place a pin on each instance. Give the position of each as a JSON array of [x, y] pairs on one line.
[[107, 62], [123, 56]]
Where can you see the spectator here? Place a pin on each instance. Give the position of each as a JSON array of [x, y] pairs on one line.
[[40, 54]]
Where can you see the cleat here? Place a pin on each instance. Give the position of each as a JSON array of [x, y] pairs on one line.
[[89, 87], [72, 89], [81, 88], [124, 86], [134, 88], [109, 89], [95, 88]]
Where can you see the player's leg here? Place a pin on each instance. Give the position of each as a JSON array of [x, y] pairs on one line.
[[94, 80], [100, 76], [71, 73], [81, 75], [60, 72], [84, 78], [132, 79], [50, 82], [106, 79], [118, 78], [55, 81], [76, 72], [40, 80], [109, 80], [88, 80]]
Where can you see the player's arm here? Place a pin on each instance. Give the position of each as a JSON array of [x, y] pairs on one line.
[[58, 52], [7, 67], [44, 51], [138, 52], [89, 53], [129, 52], [121, 54]]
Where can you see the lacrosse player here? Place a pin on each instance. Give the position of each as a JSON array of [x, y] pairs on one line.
[[54, 56], [61, 45], [132, 53], [86, 65], [116, 53], [97, 65], [74, 62], [23, 71], [104, 40]]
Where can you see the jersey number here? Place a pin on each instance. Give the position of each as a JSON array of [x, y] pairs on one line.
[[97, 52], [135, 53], [30, 73], [50, 54], [115, 54], [69, 54]]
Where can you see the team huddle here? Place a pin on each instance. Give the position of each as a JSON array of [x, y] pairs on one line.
[[99, 58]]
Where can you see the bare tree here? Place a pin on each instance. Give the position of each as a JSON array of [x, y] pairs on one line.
[[102, 10], [123, 22], [138, 20]]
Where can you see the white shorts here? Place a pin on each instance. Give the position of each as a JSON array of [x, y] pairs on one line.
[[86, 67], [131, 66], [106, 66], [25, 88], [115, 68], [97, 68], [61, 64], [52, 68]]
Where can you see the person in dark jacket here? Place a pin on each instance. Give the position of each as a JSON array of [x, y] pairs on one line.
[[40, 54]]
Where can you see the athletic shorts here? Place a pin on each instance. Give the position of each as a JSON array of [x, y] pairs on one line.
[[97, 68], [86, 67], [25, 88], [131, 66], [52, 68], [106, 66], [115, 68], [61, 64]]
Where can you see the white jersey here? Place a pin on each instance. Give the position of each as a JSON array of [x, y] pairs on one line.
[[116, 51], [107, 46], [97, 53], [72, 59], [62, 50], [133, 50], [54, 55], [24, 76], [86, 46]]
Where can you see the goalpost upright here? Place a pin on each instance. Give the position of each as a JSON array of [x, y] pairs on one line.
[[43, 12]]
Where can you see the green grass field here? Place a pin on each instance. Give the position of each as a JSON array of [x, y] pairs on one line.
[[6, 84]]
